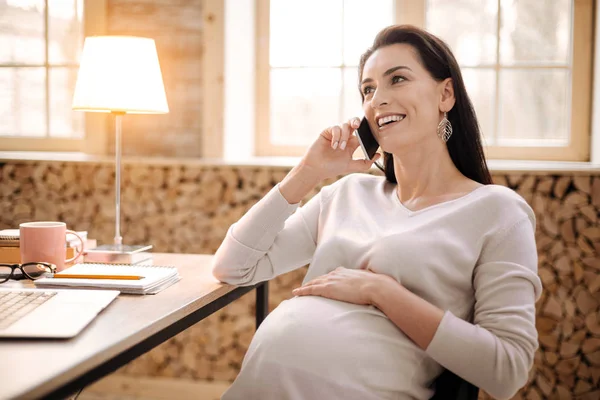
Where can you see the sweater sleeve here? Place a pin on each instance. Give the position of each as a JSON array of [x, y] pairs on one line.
[[496, 352], [272, 238]]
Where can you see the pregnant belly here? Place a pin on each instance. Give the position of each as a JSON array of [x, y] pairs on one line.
[[341, 341]]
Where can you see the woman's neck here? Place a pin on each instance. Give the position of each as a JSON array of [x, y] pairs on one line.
[[425, 173]]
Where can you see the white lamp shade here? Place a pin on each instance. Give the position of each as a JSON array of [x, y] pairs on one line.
[[120, 74]]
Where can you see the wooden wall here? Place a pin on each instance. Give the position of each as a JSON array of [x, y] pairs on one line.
[[188, 208], [177, 28]]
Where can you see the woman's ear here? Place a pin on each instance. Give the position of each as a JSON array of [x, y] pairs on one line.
[[447, 98]]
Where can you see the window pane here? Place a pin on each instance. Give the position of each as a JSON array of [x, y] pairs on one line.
[[468, 26], [306, 33], [352, 103], [534, 30], [481, 85], [64, 122], [22, 102], [304, 101], [362, 21], [534, 107], [65, 30], [22, 32]]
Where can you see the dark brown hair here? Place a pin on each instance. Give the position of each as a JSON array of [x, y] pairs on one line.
[[464, 145]]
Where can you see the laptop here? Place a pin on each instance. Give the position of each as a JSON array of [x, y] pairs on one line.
[[49, 313]]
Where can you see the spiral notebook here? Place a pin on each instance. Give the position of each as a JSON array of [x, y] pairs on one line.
[[155, 278], [9, 237]]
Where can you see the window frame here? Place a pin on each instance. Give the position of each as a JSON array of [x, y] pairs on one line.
[[413, 12], [94, 140]]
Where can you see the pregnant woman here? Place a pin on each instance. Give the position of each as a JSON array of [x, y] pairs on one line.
[[431, 267]]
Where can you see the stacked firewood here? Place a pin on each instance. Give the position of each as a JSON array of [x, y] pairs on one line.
[[189, 207]]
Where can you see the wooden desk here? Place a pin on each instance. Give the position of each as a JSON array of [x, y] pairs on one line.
[[127, 328]]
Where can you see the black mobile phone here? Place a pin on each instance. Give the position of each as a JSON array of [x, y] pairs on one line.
[[367, 141]]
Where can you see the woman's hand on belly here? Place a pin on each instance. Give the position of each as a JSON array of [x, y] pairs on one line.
[[350, 285]]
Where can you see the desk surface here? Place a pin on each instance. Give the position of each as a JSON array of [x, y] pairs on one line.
[[33, 368]]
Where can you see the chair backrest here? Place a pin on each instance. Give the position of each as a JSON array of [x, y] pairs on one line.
[[449, 386]]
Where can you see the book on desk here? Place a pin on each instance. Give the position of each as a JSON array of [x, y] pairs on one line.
[[11, 238], [125, 254], [127, 278]]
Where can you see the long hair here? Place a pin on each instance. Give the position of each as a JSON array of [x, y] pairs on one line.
[[464, 145]]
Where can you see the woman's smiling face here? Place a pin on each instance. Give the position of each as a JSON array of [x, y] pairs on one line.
[[402, 101]]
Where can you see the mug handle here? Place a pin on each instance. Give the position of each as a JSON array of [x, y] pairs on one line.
[[76, 256]]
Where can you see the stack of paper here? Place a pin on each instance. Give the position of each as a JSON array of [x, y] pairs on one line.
[[152, 278], [10, 237]]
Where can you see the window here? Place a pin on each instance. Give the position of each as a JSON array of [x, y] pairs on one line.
[[40, 46], [311, 78], [527, 66]]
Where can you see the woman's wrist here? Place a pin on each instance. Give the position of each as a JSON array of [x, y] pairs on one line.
[[298, 183], [379, 289]]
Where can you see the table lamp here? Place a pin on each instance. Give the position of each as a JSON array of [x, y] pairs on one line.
[[119, 75]]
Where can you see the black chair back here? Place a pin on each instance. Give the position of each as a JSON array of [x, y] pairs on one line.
[[449, 386]]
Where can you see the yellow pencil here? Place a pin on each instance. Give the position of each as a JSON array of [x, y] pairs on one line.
[[78, 276]]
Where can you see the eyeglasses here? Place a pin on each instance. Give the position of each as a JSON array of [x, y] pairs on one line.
[[31, 270]]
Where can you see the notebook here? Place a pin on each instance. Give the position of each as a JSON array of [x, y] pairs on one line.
[[126, 254], [155, 278], [10, 238]]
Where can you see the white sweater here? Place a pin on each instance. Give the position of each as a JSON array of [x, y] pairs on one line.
[[473, 257]]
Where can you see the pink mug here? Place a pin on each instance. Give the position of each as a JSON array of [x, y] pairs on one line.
[[46, 242]]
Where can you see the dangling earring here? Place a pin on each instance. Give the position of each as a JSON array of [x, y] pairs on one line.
[[444, 129]]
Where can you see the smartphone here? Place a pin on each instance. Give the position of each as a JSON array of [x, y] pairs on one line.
[[367, 141]]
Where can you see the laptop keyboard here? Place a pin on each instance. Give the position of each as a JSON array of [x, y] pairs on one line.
[[14, 305]]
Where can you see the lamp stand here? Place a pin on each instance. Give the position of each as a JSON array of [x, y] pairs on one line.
[[118, 252], [118, 240]]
